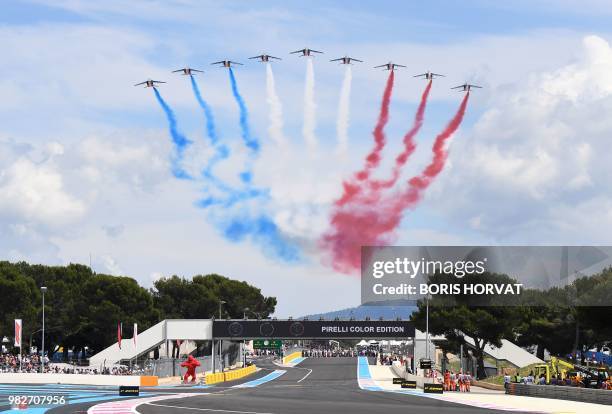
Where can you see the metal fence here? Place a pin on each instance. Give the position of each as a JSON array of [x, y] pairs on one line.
[[562, 393], [171, 367]]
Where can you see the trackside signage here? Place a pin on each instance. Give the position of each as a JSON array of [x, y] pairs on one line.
[[291, 329]]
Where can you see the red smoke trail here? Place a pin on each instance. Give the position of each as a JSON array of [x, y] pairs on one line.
[[353, 228], [418, 184], [409, 147], [356, 226], [351, 189]]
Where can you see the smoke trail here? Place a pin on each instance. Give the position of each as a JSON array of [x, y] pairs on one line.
[[235, 213], [250, 141], [208, 115], [263, 231], [354, 227], [409, 147], [352, 189], [276, 109], [178, 139], [221, 151], [308, 129], [342, 123], [417, 185]]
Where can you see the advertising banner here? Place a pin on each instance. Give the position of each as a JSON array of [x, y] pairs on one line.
[[18, 328], [291, 329]]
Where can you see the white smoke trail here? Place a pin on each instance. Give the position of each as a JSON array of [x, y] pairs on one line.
[[342, 123], [276, 109], [308, 129]]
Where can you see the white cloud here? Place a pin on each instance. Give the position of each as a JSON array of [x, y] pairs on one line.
[[111, 265], [537, 153], [35, 192]]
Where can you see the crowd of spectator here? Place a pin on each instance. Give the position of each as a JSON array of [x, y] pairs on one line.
[[265, 352], [569, 381], [389, 359], [324, 352], [28, 363], [32, 364]]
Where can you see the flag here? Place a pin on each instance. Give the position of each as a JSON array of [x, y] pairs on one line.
[[18, 332], [119, 326], [135, 335]]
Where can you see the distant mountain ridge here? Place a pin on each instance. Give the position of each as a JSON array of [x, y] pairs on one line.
[[389, 310]]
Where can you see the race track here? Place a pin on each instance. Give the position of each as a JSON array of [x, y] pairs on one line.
[[317, 385]]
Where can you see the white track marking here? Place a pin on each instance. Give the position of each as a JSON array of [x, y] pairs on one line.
[[305, 376], [128, 406], [207, 409]]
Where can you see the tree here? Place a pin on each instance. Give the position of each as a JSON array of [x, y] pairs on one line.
[[455, 316], [19, 298], [568, 318], [64, 294], [110, 299], [83, 308], [177, 297]]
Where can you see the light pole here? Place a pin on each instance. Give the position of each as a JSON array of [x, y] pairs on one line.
[[244, 316], [42, 355], [427, 328], [221, 303]]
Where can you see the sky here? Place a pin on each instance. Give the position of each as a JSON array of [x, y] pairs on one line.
[[86, 160]]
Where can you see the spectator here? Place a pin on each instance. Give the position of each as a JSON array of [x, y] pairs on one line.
[[506, 381]]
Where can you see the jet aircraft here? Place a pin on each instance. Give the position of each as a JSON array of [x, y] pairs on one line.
[[346, 60], [226, 63], [265, 58], [306, 52], [390, 66], [466, 87], [149, 83], [187, 71]]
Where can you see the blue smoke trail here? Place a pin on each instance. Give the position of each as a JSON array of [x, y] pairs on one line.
[[239, 224], [179, 140], [210, 120], [264, 232], [221, 151], [250, 141]]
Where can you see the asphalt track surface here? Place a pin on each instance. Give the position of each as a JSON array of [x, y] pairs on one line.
[[81, 397], [317, 385]]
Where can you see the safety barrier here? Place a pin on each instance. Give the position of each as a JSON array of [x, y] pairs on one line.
[[77, 379], [229, 375], [400, 371], [149, 381], [589, 395], [214, 378], [292, 356], [239, 373]]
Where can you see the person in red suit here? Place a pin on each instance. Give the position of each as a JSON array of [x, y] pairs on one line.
[[191, 364]]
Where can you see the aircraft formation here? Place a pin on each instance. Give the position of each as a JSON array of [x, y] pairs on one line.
[[344, 60], [364, 199]]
